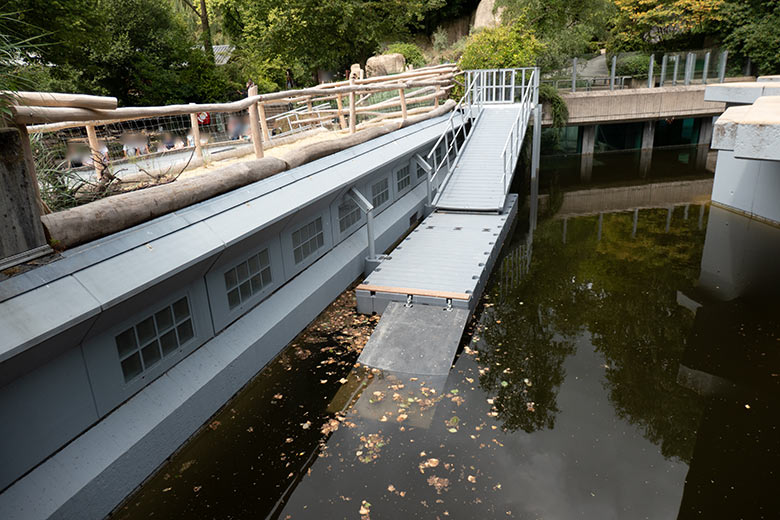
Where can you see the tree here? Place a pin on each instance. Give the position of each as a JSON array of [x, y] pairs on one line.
[[567, 28], [308, 35], [750, 29], [137, 50], [205, 30], [640, 24]]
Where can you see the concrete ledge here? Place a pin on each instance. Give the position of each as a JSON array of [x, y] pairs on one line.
[[751, 132], [742, 93]]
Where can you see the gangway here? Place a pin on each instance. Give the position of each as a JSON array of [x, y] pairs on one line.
[[428, 286]]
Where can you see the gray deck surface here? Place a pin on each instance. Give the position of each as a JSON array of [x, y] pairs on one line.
[[421, 339], [446, 253], [476, 183]]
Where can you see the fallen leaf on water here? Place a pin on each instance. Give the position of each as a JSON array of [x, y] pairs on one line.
[[196, 488], [402, 417], [343, 380], [365, 508], [214, 425], [306, 425], [391, 488], [166, 490], [250, 429], [278, 396], [471, 478], [439, 483], [430, 463]]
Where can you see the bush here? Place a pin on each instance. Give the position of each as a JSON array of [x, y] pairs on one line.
[[412, 53], [548, 95], [501, 47], [635, 65], [440, 39]]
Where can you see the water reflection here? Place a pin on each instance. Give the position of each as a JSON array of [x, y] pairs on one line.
[[607, 376]]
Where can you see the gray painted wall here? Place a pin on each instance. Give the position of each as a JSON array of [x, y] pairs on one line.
[[47, 401]]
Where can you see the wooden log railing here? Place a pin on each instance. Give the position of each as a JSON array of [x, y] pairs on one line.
[[41, 112]]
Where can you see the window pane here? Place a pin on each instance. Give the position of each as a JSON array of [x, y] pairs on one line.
[[131, 367], [146, 331], [164, 319], [168, 342], [257, 283], [230, 279], [185, 332], [234, 300], [266, 276], [181, 309], [264, 257], [254, 265], [246, 291], [242, 271], [125, 342], [151, 354]]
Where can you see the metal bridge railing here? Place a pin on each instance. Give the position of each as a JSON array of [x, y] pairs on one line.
[[514, 140], [486, 86]]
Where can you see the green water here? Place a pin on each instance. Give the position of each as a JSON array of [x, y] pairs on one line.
[[609, 372]]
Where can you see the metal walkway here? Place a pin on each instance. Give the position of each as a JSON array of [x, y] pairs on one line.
[[428, 286], [477, 180]]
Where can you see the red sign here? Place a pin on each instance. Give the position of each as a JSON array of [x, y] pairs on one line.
[[204, 118]]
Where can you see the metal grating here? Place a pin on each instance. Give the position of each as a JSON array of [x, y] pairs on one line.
[[477, 183]]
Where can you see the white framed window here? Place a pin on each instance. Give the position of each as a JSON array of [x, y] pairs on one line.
[[403, 178], [380, 192], [349, 214], [248, 278], [420, 170], [144, 344], [307, 240]]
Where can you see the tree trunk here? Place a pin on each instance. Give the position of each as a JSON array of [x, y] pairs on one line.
[[206, 30]]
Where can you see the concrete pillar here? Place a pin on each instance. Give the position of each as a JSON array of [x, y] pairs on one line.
[[646, 150], [588, 147], [537, 150], [705, 139]]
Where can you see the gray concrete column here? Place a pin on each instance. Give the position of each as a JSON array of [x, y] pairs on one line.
[[705, 139], [588, 147], [646, 148]]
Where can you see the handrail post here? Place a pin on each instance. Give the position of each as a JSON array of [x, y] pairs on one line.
[[650, 79], [676, 67], [94, 149], [612, 73], [254, 124], [574, 75], [196, 134], [263, 121], [722, 66], [705, 71], [340, 106], [664, 62], [352, 122]]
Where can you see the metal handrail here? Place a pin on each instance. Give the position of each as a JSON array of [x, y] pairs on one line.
[[519, 127]]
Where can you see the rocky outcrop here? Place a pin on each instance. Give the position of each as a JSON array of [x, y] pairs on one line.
[[385, 64], [487, 15]]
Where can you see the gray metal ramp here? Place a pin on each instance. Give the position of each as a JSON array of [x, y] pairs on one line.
[[421, 339], [477, 181], [447, 257]]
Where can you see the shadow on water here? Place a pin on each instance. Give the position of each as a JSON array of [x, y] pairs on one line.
[[622, 364]]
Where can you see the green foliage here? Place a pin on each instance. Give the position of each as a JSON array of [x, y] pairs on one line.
[[750, 29], [137, 50], [440, 39], [411, 52], [548, 95], [567, 28], [635, 65], [505, 46], [308, 35]]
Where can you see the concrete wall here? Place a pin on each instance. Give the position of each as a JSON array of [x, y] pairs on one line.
[[749, 186], [598, 107]]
